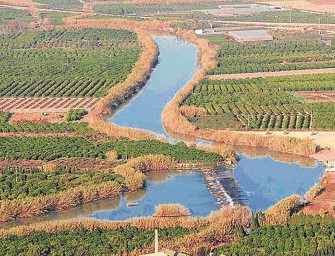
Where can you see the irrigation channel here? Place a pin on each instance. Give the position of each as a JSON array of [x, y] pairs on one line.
[[258, 181]]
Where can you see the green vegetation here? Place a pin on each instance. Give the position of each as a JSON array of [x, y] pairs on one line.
[[64, 63], [75, 114], [122, 8], [50, 148], [56, 18], [61, 4], [5, 127], [99, 241], [303, 235], [284, 17], [265, 103], [7, 14], [4, 117], [21, 183], [81, 128], [279, 55]]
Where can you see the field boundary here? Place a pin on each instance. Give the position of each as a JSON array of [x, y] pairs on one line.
[[272, 74]]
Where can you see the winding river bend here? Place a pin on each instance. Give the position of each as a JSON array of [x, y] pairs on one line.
[[258, 181]]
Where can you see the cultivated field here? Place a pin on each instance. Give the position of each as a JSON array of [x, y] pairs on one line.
[[65, 63], [280, 55], [46, 104], [265, 103]]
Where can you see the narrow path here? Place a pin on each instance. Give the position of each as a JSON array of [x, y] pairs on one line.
[[270, 74]]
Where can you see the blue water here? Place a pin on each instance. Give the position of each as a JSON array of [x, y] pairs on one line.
[[177, 64], [264, 181], [188, 189]]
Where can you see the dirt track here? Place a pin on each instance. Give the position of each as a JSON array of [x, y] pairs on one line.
[[270, 74]]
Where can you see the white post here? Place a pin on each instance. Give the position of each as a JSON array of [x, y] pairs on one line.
[[156, 241]]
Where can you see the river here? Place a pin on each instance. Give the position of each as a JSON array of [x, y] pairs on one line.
[[258, 181]]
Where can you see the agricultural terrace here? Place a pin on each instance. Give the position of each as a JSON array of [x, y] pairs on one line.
[[65, 63], [273, 103], [285, 53], [45, 127], [50, 148]]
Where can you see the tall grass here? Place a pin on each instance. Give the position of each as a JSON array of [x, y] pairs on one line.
[[121, 92], [171, 210], [34, 206], [133, 170], [205, 232]]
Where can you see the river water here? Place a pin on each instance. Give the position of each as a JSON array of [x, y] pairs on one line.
[[258, 181], [177, 63]]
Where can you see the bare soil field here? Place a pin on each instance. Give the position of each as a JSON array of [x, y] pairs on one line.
[[22, 118], [26, 105], [270, 74], [325, 202], [317, 97], [311, 5]]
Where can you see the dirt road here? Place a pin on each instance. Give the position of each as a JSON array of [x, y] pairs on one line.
[[270, 74]]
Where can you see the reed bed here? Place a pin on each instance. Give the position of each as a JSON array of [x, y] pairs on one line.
[[280, 213], [35, 206], [133, 170], [204, 232], [171, 210]]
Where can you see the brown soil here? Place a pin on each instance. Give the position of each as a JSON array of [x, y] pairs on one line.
[[26, 105], [317, 97], [326, 201], [311, 5], [270, 74], [22, 118]]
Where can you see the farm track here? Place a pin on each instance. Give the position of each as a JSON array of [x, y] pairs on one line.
[[46, 104], [271, 74]]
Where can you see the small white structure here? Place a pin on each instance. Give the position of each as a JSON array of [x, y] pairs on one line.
[[156, 253], [198, 31], [250, 35], [164, 252]]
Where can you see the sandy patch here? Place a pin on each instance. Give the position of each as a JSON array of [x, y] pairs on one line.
[[317, 96], [313, 5]]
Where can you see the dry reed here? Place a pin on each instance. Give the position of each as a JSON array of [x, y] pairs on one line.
[[171, 210]]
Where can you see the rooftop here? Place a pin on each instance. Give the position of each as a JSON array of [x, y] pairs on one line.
[[250, 35]]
